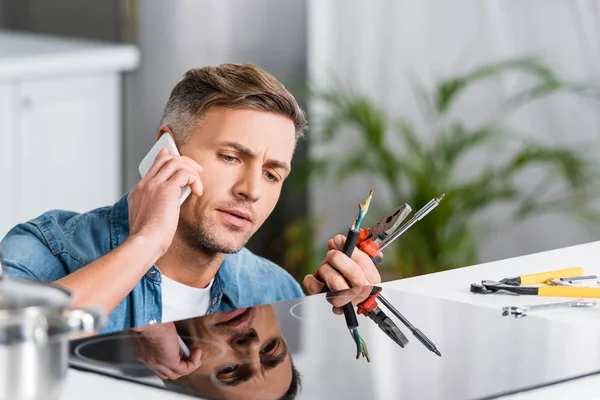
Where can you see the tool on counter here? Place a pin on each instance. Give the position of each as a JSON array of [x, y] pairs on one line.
[[542, 277], [585, 281], [514, 285], [372, 241], [370, 308], [520, 311]]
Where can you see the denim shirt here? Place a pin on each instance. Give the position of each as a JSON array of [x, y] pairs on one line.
[[60, 242]]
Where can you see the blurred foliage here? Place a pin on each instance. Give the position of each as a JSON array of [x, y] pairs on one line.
[[426, 162]]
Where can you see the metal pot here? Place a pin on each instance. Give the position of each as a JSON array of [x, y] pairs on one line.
[[36, 324]]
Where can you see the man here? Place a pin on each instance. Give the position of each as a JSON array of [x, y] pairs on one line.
[[146, 259], [235, 354]]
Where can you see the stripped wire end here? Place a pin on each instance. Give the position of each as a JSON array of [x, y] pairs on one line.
[[363, 208], [361, 346]]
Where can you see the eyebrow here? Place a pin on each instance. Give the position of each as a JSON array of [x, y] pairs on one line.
[[245, 375], [249, 153]]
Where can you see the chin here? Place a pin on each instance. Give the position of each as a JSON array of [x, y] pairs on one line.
[[218, 245]]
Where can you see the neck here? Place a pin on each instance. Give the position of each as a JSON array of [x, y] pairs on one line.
[[189, 265]]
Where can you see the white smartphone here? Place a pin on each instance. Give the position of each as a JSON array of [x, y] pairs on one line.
[[166, 140]]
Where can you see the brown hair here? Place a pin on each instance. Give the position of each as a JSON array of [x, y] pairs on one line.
[[238, 86]]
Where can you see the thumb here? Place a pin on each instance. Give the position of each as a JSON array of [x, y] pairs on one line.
[[189, 365], [339, 241], [196, 357]]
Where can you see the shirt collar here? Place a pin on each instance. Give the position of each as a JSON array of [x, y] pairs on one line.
[[226, 280]]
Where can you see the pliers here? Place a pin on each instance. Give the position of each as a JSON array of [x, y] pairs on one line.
[[370, 239], [370, 308], [515, 285]]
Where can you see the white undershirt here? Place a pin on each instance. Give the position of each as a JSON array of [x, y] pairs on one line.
[[181, 302]]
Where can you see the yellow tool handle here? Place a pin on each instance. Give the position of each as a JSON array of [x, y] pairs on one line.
[[569, 291], [544, 276]]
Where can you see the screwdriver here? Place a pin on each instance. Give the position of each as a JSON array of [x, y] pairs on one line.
[[419, 215], [417, 332]]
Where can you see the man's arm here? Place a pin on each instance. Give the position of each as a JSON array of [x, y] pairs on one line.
[[108, 280], [153, 218]]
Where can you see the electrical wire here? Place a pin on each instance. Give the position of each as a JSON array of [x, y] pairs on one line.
[[361, 346], [362, 210]]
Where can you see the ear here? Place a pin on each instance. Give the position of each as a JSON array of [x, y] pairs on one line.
[[163, 129]]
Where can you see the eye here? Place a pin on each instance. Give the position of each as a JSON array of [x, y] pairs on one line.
[[270, 347], [229, 159], [230, 369], [271, 177]]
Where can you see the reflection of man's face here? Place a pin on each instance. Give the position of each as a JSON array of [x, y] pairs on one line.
[[244, 354]]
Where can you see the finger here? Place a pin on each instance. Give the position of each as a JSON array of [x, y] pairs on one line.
[[312, 285], [347, 267], [192, 164], [167, 373], [184, 178], [171, 167], [161, 158], [337, 242], [352, 295], [362, 259], [337, 310], [188, 366], [367, 265], [332, 278], [196, 356]]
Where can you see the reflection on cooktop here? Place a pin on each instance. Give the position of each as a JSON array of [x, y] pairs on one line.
[[302, 349]]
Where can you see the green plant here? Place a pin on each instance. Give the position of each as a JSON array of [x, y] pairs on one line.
[[434, 159]]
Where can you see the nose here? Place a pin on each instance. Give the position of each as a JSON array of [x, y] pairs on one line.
[[246, 343], [249, 184]]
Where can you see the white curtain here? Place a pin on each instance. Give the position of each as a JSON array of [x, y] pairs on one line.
[[376, 46]]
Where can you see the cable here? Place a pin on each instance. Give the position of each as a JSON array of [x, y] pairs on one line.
[[348, 308]]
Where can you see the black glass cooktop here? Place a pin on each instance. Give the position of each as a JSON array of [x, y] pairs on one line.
[[301, 349]]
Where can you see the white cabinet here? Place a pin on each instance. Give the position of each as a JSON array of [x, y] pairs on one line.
[[60, 125], [7, 147]]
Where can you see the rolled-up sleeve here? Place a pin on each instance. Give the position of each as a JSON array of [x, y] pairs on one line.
[[25, 254]]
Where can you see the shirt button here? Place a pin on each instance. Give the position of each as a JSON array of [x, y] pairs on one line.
[[151, 273], [152, 321]]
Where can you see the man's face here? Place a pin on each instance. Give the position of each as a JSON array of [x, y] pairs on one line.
[[245, 357], [246, 155]]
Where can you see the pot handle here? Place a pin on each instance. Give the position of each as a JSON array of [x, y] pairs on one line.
[[81, 322]]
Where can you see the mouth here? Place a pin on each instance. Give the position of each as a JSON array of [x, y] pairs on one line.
[[235, 319], [236, 217], [238, 213]]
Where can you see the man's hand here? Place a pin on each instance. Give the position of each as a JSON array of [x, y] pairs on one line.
[[157, 347], [154, 203], [341, 272], [353, 295]]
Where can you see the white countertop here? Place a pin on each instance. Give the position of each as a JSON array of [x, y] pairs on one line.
[[451, 285], [26, 55]]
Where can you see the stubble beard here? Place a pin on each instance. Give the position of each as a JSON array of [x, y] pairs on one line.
[[211, 237]]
